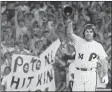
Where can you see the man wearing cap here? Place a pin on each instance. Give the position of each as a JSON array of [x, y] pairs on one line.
[[88, 54]]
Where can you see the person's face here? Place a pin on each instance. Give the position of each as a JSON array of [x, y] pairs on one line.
[[9, 30], [98, 8], [37, 6], [81, 17], [46, 34], [49, 10], [105, 34], [8, 56], [25, 39], [30, 17], [89, 34], [21, 24], [107, 18], [6, 37], [84, 2], [95, 17], [104, 7], [9, 23], [51, 18], [21, 46], [4, 17], [35, 25], [60, 26], [39, 45], [7, 71]]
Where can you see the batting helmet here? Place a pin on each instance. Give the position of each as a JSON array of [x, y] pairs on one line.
[[90, 26]]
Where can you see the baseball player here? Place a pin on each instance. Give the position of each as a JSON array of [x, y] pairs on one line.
[[88, 54]]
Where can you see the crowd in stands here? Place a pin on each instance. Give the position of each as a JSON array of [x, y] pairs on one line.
[[28, 27]]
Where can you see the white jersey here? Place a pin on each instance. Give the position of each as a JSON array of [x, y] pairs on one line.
[[88, 53]]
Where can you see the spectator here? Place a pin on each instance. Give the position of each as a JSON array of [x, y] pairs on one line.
[[26, 42], [6, 46], [107, 21], [8, 59], [20, 49], [29, 20], [42, 18], [3, 65], [4, 81], [38, 48], [4, 20], [10, 10], [45, 40], [23, 7], [20, 27], [36, 11], [35, 28], [32, 42], [11, 36], [4, 7]]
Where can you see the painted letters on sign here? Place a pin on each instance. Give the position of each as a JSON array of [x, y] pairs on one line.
[[30, 73]]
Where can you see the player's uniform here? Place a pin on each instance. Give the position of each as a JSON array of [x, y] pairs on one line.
[[87, 56]]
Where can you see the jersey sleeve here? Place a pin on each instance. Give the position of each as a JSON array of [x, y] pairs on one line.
[[102, 53]]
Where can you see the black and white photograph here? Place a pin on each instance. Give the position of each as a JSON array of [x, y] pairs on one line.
[[56, 46]]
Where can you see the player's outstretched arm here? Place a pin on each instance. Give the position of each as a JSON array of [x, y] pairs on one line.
[[69, 31], [71, 34]]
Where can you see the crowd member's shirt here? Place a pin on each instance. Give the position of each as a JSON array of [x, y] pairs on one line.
[[6, 48], [52, 36], [2, 68], [29, 23], [37, 17], [5, 81], [32, 44], [20, 32], [23, 52], [4, 23], [36, 14], [3, 8], [27, 45], [24, 8]]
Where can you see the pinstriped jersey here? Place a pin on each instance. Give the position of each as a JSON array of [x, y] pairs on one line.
[[88, 53]]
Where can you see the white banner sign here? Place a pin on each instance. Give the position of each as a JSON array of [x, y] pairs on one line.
[[30, 73]]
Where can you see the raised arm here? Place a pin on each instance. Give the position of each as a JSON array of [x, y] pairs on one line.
[[15, 19], [69, 31], [74, 38]]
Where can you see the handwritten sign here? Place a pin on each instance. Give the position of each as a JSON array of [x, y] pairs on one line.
[[30, 73]]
